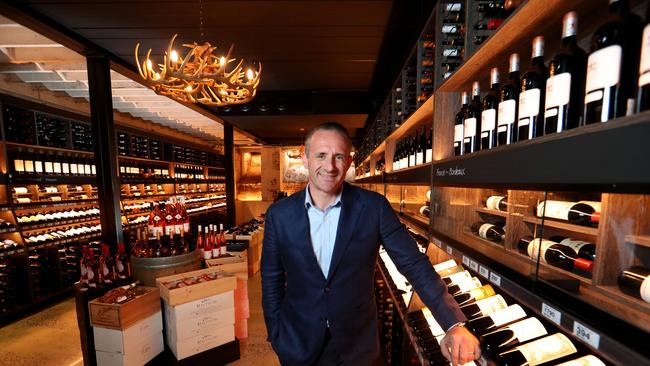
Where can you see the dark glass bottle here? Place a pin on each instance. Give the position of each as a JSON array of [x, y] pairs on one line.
[[488, 323], [472, 121], [458, 125], [549, 350], [554, 254], [531, 96], [512, 335], [484, 307], [635, 281], [508, 103], [489, 231], [489, 114], [565, 85], [583, 249], [612, 65], [643, 97]]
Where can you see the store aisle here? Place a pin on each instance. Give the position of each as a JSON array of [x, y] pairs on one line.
[[51, 337]]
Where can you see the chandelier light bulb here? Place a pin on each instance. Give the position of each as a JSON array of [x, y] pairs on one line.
[[222, 61], [174, 56], [149, 65], [250, 75]]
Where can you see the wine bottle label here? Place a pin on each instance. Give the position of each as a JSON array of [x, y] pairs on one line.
[[644, 290], [467, 285], [528, 329], [507, 112], [492, 202], [458, 277], [223, 249], [507, 315], [119, 266], [574, 244], [29, 166], [469, 128], [458, 133], [546, 349], [444, 265], [554, 209], [482, 292], [428, 155], [419, 158], [589, 360], [534, 248], [491, 304], [38, 166], [529, 103], [644, 65], [49, 167], [65, 168], [488, 121], [558, 90], [603, 70], [19, 165], [453, 7], [483, 230], [411, 161]]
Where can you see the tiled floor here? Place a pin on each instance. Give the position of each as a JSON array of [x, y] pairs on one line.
[[51, 337]]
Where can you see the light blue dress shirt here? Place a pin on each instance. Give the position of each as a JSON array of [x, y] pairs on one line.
[[323, 225]]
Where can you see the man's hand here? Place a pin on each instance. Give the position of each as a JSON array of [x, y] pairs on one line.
[[460, 346]]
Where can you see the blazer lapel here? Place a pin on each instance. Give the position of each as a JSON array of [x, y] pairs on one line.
[[351, 208], [301, 224]]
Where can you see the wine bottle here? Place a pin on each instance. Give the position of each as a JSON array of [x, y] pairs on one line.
[[586, 213], [498, 203], [583, 249], [207, 246], [484, 307], [531, 95], [635, 281], [540, 352], [643, 96], [428, 152], [489, 113], [471, 122], [588, 360], [452, 277], [612, 64], [222, 240], [554, 254], [464, 285], [508, 98], [474, 295], [565, 85], [512, 335], [499, 318], [459, 126], [451, 263], [107, 265], [122, 263], [425, 211], [489, 231], [421, 148]]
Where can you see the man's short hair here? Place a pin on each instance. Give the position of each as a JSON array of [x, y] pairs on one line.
[[328, 126]]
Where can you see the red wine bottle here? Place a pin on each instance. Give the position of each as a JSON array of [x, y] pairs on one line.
[[531, 96], [490, 106], [471, 121], [555, 254], [544, 351], [586, 213], [459, 126], [635, 281], [512, 335], [489, 231], [583, 249], [508, 97], [484, 307], [498, 203], [566, 82], [612, 65], [643, 97], [488, 323]]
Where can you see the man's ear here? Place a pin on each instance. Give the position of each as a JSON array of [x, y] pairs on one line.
[[305, 160]]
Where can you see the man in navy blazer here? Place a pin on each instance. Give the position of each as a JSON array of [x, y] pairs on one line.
[[318, 276]]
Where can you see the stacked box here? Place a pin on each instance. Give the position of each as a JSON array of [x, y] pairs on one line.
[[242, 310], [201, 316], [128, 334]]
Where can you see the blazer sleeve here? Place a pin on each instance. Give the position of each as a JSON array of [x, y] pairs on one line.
[[273, 274], [416, 267]]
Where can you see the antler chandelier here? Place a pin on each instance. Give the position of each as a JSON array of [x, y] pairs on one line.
[[201, 76]]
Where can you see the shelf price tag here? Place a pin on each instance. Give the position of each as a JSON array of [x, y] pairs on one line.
[[484, 272], [450, 250], [586, 335], [551, 313], [473, 265], [436, 242], [466, 261], [495, 279]]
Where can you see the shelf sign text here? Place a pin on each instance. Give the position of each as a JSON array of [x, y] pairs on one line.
[[466, 261], [586, 335], [450, 250], [495, 279], [551, 313], [449, 172], [473, 265], [483, 272]]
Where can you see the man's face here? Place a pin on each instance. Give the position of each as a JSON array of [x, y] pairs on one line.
[[328, 161]]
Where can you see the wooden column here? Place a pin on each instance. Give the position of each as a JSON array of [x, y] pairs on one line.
[[228, 138], [103, 127]]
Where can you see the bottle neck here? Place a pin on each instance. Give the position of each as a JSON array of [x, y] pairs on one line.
[[537, 61], [569, 40]]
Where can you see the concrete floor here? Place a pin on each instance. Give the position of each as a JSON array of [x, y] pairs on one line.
[[51, 337]]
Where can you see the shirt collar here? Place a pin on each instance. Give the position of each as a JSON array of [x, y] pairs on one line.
[[309, 203]]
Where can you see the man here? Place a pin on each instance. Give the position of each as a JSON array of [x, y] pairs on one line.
[[318, 259]]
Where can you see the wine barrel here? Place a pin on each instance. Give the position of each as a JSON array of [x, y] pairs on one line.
[[146, 270]]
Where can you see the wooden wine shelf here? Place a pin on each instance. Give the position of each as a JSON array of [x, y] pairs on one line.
[[562, 225], [377, 179], [31, 148], [492, 212], [418, 175], [57, 224], [64, 241], [9, 230], [641, 240], [53, 204], [53, 179], [12, 252]]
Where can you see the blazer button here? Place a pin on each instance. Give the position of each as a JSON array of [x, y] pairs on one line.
[[327, 289]]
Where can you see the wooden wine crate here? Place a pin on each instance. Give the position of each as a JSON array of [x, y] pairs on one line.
[[181, 295], [121, 316]]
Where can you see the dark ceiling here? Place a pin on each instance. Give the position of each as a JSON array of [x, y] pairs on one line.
[[322, 60]]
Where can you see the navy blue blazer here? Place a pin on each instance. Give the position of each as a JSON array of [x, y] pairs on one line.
[[299, 302]]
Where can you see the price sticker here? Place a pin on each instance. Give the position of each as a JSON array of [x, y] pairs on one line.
[[551, 313], [450, 250], [466, 261], [437, 242], [473, 265], [484, 272], [495, 279], [586, 335]]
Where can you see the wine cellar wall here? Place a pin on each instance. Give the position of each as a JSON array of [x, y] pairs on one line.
[[48, 196], [545, 215]]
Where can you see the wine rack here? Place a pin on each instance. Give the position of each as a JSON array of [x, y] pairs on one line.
[[553, 167]]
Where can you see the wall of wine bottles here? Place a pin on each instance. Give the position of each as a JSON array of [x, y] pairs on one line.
[[561, 211], [49, 204]]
